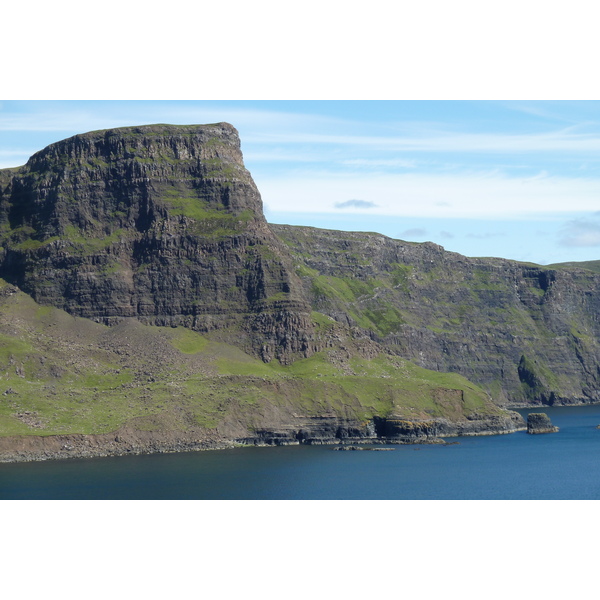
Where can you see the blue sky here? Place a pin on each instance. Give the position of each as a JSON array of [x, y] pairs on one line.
[[516, 179]]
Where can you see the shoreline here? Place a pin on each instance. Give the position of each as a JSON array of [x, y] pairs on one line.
[[129, 441]]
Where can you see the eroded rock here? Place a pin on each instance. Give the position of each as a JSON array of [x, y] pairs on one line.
[[540, 423]]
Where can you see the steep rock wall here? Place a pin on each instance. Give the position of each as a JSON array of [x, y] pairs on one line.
[[526, 333], [162, 223]]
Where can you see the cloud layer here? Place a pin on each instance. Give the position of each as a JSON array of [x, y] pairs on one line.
[[355, 204], [461, 195], [582, 233]]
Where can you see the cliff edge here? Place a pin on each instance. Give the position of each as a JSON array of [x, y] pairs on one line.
[[161, 223]]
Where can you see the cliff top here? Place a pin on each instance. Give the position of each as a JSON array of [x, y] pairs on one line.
[[202, 134], [157, 129]]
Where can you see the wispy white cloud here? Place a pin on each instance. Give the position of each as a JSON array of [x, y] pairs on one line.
[[19, 153], [14, 158], [280, 156], [83, 117], [356, 204], [540, 175], [471, 195], [380, 162], [46, 120], [584, 232], [555, 141], [545, 111], [415, 232], [577, 113]]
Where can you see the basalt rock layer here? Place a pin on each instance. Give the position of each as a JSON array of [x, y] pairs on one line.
[[343, 434], [161, 223], [540, 423], [528, 334]]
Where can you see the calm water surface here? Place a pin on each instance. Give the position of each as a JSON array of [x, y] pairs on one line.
[[564, 465]]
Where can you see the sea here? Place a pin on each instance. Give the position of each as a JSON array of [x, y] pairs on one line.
[[558, 466]]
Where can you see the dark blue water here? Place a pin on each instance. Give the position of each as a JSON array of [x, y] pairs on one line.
[[564, 465]]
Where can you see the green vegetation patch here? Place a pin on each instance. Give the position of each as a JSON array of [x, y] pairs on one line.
[[347, 289], [188, 341], [400, 275], [216, 222], [384, 320], [589, 265], [215, 168], [91, 243]]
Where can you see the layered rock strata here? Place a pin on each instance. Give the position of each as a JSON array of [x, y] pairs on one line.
[[528, 334], [314, 431], [164, 224], [161, 223], [388, 430]]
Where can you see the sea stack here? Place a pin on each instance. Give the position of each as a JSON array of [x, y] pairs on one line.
[[540, 423]]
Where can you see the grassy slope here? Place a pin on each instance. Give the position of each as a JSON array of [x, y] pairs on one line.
[[61, 374], [590, 265]]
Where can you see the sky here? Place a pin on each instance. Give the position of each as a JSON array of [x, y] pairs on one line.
[[512, 179]]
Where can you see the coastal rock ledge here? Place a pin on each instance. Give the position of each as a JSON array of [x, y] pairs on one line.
[[324, 430], [540, 423]]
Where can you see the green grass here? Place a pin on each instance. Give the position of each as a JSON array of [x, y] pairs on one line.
[[76, 376], [381, 317], [384, 320], [217, 222], [323, 322], [589, 265], [401, 275], [188, 341], [11, 347], [217, 169], [377, 386], [347, 289], [90, 243]]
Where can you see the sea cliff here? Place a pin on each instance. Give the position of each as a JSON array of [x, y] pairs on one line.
[[147, 306]]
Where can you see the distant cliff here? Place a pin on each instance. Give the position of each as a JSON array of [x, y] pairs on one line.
[[526, 333]]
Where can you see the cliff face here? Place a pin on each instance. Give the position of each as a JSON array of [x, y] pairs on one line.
[[527, 334], [162, 223]]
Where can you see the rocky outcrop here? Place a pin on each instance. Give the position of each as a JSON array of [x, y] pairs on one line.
[[314, 430], [341, 433], [162, 223], [388, 430], [540, 423], [398, 428], [120, 443]]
